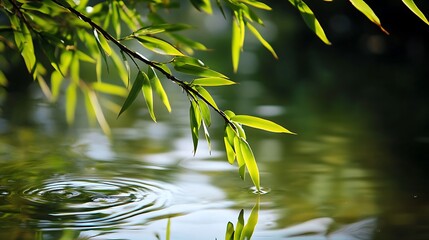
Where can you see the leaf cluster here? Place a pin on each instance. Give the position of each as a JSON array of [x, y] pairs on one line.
[[73, 36]]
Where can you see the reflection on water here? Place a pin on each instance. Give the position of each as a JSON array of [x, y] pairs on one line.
[[79, 183]]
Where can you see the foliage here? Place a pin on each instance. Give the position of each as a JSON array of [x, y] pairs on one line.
[[243, 230], [58, 39]]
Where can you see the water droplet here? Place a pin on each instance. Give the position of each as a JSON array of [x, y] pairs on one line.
[[261, 191]]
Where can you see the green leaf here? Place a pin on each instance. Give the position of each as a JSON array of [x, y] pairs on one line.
[[240, 225], [56, 80], [75, 69], [195, 117], [157, 86], [103, 54], [195, 67], [205, 112], [110, 89], [369, 13], [212, 82], [202, 5], [159, 28], [24, 43], [103, 42], [260, 123], [413, 7], [262, 40], [168, 230], [121, 68], [158, 46], [127, 66], [257, 4], [230, 154], [249, 228], [250, 162], [240, 158], [71, 102], [98, 112], [236, 43], [206, 95], [135, 90], [229, 235], [310, 19], [148, 95], [207, 135]]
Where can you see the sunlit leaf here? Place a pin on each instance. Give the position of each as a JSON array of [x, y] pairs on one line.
[[84, 57], [75, 69], [257, 4], [413, 7], [56, 80], [219, 5], [207, 135], [229, 234], [205, 112], [158, 45], [168, 230], [262, 40], [159, 28], [250, 162], [195, 117], [195, 67], [120, 67], [99, 113], [103, 53], [249, 228], [159, 89], [240, 158], [148, 95], [212, 82], [3, 79], [240, 225], [259, 123], [229, 113], [42, 83], [103, 42], [127, 66], [230, 154], [206, 95], [236, 45], [110, 89], [239, 129], [24, 43], [135, 90], [71, 102], [369, 13], [202, 5], [310, 19]]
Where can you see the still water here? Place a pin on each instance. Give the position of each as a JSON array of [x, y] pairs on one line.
[[328, 182]]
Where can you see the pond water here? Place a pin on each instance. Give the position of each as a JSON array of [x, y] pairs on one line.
[[330, 181]]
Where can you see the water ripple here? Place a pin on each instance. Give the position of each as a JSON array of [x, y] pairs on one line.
[[93, 202]]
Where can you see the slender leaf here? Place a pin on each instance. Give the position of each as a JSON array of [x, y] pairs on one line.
[[99, 113], [195, 67], [212, 82], [159, 28], [368, 12], [229, 235], [110, 89], [249, 228], [56, 80], [240, 158], [148, 95], [75, 69], [168, 230], [262, 40], [103, 53], [230, 154], [257, 4], [202, 5], [195, 117], [240, 225], [127, 66], [103, 42], [207, 135], [310, 19], [260, 123], [413, 7], [70, 102], [250, 161], [121, 68], [205, 112], [158, 45], [206, 95], [135, 90], [236, 45], [157, 86]]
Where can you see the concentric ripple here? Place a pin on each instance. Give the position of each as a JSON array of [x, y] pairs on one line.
[[93, 202]]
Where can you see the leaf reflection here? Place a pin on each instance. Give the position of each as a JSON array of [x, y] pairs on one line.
[[243, 230]]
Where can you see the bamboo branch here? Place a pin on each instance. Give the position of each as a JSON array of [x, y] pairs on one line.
[[185, 86]]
